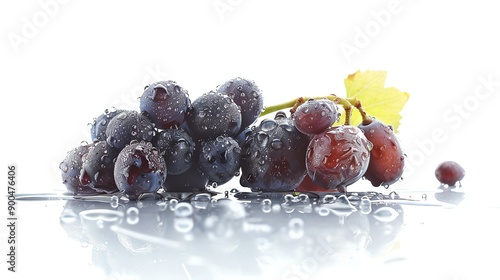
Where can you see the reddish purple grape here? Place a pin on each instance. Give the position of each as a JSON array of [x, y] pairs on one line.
[[386, 157], [449, 173], [315, 116], [338, 157]]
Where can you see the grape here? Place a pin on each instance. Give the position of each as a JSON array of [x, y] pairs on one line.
[[338, 157], [139, 169], [165, 103], [128, 126], [386, 157], [220, 159], [245, 94], [71, 167], [177, 148], [273, 157], [449, 173], [193, 180], [213, 114], [99, 125], [98, 167], [315, 116]]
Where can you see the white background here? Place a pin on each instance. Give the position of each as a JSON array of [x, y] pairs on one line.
[[63, 63]]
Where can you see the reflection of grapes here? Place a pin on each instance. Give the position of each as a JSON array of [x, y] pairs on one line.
[[386, 157], [338, 157], [449, 173]]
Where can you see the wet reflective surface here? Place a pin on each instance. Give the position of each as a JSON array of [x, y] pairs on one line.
[[242, 235]]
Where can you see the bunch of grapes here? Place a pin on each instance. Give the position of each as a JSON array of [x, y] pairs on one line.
[[175, 144]]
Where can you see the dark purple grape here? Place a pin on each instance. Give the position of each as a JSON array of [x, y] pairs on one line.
[[128, 126], [177, 148], [338, 157], [213, 114], [193, 180], [98, 167], [139, 169], [245, 94], [449, 173], [99, 125], [273, 157], [315, 116], [386, 157], [220, 159], [165, 103], [71, 167]]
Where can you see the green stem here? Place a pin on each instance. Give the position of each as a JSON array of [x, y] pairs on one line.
[[346, 103]]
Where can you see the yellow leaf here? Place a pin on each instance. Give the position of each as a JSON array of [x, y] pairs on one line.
[[380, 102]]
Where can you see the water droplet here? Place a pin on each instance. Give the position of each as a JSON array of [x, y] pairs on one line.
[[365, 205], [132, 215], [114, 201], [276, 144], [201, 200], [183, 209], [385, 214], [64, 167], [262, 138], [266, 205], [268, 125]]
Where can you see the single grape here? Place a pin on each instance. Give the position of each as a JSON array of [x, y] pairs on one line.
[[98, 167], [71, 167], [315, 116], [128, 126], [213, 114], [165, 103], [193, 180], [338, 157], [139, 169], [449, 173], [245, 94], [177, 148], [220, 159], [273, 157], [99, 125], [386, 157]]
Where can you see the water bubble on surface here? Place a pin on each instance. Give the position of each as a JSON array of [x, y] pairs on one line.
[[114, 201], [385, 214], [183, 209], [365, 205], [266, 205], [173, 203], [201, 200], [132, 215], [342, 206]]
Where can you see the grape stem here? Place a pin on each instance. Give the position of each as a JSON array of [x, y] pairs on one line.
[[347, 104]]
